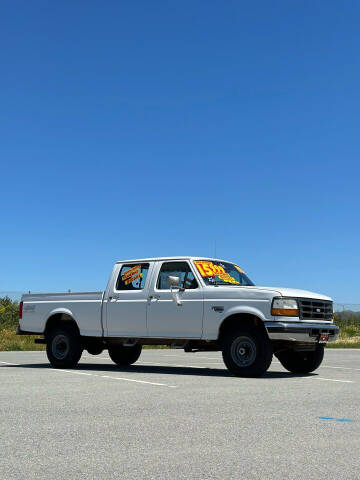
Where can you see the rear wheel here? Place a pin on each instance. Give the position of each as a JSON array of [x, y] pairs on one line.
[[302, 362], [63, 346], [125, 355], [247, 352]]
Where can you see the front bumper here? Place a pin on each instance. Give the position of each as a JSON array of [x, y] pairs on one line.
[[300, 332]]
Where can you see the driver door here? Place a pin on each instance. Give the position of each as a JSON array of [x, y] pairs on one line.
[[165, 317]]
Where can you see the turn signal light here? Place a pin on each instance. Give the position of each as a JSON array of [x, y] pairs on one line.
[[289, 312]]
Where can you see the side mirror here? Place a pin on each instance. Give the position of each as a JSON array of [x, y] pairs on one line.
[[174, 282]]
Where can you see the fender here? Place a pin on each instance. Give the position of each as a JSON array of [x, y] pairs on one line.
[[243, 309], [58, 311], [240, 310]]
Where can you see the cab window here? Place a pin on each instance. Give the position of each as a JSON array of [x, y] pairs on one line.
[[132, 276], [176, 269]]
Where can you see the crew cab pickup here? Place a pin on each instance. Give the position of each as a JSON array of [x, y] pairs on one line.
[[188, 302]]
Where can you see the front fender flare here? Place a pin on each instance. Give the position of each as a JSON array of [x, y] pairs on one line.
[[236, 310], [244, 309]]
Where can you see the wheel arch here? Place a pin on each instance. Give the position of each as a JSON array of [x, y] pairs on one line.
[[240, 319], [60, 317]]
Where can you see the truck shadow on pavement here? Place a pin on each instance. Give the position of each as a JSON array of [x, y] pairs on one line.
[[161, 370]]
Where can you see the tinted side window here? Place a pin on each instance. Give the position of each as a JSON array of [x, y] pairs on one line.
[[176, 269], [132, 277]]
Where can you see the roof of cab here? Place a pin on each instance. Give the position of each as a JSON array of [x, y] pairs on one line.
[[161, 259]]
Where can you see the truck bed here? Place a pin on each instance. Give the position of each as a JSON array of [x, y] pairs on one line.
[[84, 307]]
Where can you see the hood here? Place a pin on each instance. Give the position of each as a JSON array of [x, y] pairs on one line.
[[294, 292]]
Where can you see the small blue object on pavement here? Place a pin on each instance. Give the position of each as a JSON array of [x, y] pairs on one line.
[[343, 420]]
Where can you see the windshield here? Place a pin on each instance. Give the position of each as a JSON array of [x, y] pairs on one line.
[[215, 272]]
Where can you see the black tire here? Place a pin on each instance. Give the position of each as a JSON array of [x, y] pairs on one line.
[[125, 355], [246, 352], [301, 362], [63, 346]]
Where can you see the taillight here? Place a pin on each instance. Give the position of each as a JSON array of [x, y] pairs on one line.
[[21, 309]]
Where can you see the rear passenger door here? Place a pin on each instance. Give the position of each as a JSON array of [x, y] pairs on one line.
[[126, 302], [167, 319]]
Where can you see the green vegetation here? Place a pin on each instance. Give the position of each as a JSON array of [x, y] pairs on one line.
[[348, 321], [9, 315]]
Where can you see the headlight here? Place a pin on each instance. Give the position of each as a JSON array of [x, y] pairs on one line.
[[287, 307]]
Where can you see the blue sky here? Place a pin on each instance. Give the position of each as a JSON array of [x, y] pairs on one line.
[[137, 128]]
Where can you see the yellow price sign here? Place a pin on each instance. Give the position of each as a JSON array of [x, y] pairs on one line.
[[210, 269]]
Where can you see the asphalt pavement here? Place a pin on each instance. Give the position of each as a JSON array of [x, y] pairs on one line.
[[176, 415]]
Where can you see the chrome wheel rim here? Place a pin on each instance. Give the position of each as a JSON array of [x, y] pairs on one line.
[[243, 351], [60, 346]]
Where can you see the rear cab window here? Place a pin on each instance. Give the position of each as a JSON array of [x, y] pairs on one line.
[[132, 276]]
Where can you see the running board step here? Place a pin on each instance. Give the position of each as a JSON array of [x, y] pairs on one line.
[[129, 343]]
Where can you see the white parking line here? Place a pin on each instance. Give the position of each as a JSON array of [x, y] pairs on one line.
[[74, 372], [162, 364], [343, 368], [220, 363], [209, 368], [93, 357], [114, 378], [138, 381], [165, 364], [329, 366], [331, 379], [182, 356], [170, 365], [274, 361]]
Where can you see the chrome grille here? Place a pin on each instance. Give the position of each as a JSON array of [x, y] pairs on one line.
[[315, 309]]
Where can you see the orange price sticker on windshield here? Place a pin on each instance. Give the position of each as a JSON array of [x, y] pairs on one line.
[[209, 269]]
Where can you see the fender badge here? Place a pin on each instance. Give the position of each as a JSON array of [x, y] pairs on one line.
[[218, 308]]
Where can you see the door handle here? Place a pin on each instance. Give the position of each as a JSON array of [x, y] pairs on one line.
[[113, 297], [154, 297]]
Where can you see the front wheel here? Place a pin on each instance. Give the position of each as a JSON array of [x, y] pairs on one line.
[[302, 362], [247, 352], [125, 355]]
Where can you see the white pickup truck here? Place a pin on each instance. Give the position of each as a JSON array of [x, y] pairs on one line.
[[188, 302]]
